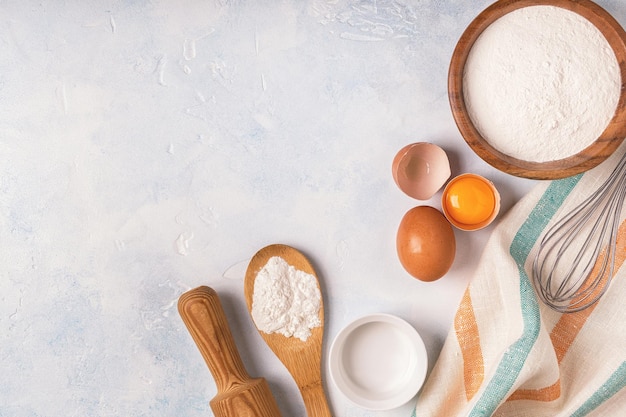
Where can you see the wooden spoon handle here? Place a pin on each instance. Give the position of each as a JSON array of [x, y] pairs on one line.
[[202, 313], [315, 401]]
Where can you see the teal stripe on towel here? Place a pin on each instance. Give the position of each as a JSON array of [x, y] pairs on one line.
[[612, 386], [514, 358]]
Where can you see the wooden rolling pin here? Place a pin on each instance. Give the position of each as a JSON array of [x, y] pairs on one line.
[[238, 395]]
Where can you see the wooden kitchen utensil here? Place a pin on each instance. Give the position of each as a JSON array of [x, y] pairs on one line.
[[301, 358], [238, 395]]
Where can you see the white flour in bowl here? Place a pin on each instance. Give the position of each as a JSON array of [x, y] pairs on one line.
[[285, 300], [541, 83]]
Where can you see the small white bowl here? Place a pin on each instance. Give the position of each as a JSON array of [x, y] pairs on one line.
[[379, 362]]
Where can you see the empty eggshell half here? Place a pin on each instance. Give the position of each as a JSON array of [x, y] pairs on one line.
[[421, 169]]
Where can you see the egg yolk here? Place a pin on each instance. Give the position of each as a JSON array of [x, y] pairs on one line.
[[470, 200]]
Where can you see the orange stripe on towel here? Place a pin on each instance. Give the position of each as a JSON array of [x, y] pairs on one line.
[[469, 340], [569, 325], [546, 394]]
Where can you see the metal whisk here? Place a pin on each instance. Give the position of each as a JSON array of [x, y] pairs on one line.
[[576, 258]]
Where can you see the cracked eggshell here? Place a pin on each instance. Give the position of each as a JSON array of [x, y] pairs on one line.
[[421, 169]]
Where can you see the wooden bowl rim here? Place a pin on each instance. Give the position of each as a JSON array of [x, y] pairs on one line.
[[594, 154]]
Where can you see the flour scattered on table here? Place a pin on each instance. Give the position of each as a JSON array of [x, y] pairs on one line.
[[285, 300], [541, 83]]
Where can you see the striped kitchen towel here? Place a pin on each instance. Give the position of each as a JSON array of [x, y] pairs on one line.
[[507, 353]]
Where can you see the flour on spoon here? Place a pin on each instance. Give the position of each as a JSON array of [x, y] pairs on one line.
[[285, 300]]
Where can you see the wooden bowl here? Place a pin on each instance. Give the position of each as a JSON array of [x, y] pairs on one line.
[[586, 159]]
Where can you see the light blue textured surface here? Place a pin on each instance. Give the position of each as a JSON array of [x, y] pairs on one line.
[[149, 147]]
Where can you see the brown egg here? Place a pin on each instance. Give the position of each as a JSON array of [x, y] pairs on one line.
[[425, 243]]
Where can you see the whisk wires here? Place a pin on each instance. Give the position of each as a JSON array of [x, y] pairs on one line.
[[575, 260]]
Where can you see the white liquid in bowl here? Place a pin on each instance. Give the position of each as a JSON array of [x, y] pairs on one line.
[[379, 362]]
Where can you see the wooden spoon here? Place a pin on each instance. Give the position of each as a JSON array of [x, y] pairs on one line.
[[301, 358], [238, 395]]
